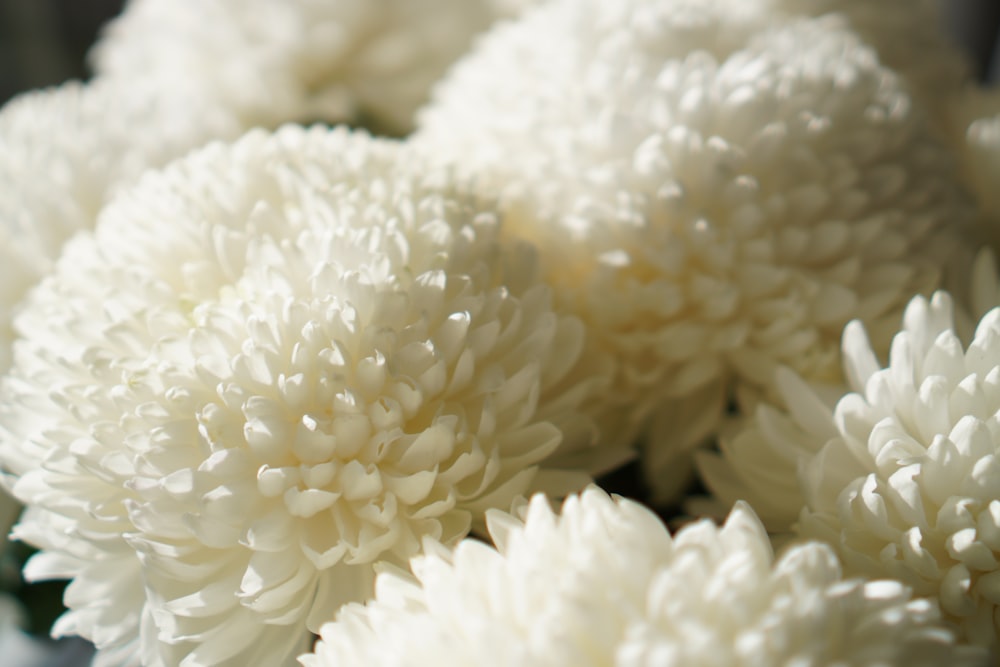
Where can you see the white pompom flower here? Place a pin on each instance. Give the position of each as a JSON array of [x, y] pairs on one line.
[[605, 584], [910, 486], [899, 470], [714, 198], [272, 61], [273, 365], [65, 150], [910, 36]]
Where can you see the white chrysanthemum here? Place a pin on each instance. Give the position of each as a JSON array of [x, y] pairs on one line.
[[604, 584], [901, 476], [272, 61], [910, 485], [761, 452], [63, 151], [273, 365], [910, 37], [708, 212]]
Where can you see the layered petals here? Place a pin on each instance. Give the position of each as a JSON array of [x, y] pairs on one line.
[[605, 584], [274, 365]]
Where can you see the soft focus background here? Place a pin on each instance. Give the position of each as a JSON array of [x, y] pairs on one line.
[[44, 42], [976, 24]]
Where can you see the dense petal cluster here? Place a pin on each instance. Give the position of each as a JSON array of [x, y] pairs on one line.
[[898, 469], [714, 198], [909, 487], [273, 61], [605, 584], [273, 365], [63, 152], [909, 36]]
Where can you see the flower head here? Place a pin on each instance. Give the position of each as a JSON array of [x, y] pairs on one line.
[[64, 151], [302, 60], [909, 487], [605, 584], [714, 198], [273, 365], [909, 36], [897, 470]]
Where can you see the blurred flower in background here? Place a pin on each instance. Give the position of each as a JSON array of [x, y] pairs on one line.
[[45, 42]]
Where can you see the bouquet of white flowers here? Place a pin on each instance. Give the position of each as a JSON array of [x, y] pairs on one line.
[[332, 330]]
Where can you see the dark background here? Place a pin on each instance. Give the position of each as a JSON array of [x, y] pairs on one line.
[[44, 42]]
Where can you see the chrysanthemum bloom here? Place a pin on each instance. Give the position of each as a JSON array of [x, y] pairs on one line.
[[63, 152], [910, 37], [901, 476], [605, 584], [760, 453], [273, 365], [710, 213], [910, 486], [273, 61]]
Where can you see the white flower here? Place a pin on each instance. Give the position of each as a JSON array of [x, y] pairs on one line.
[[910, 485], [901, 475], [604, 584], [910, 37], [709, 212], [272, 61], [63, 151], [273, 365]]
